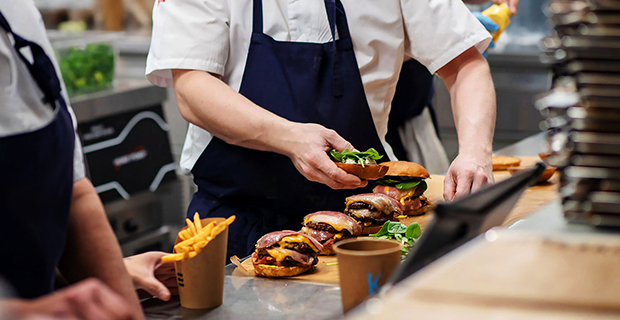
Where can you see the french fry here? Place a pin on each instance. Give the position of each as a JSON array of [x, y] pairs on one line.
[[230, 220], [219, 228], [195, 237], [197, 222], [191, 226]]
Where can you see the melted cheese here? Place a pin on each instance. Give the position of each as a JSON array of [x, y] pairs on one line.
[[338, 236], [296, 239], [279, 256], [270, 266]]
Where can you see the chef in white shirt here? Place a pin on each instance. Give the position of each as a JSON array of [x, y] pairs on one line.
[[268, 91]]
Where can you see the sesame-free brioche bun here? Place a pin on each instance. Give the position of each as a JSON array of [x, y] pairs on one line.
[[405, 169], [270, 271], [367, 172]]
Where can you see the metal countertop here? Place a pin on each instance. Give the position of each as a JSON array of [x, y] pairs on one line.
[[293, 299]]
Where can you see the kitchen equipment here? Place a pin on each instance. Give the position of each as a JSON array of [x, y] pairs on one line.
[[584, 135]]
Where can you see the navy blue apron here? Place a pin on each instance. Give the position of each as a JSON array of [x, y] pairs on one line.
[[302, 82], [36, 181]]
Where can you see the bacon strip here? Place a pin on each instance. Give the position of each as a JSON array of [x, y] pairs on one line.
[[380, 201], [272, 238], [335, 219], [319, 235]]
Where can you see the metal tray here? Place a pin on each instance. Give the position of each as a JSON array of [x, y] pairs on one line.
[[578, 66], [589, 30], [592, 79], [587, 160], [576, 172], [586, 16], [567, 6]]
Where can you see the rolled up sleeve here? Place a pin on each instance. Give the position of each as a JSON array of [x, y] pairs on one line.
[[187, 34], [440, 30]]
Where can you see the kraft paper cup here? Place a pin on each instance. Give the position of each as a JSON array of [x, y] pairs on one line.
[[364, 265], [201, 278]]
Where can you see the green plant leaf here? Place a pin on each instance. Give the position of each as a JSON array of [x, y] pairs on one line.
[[396, 227], [383, 231], [413, 231], [407, 185]]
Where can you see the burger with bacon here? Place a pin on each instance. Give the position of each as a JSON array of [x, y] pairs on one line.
[[371, 210], [329, 227], [404, 181], [285, 254]]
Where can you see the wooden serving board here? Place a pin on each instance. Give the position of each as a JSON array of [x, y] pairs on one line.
[[532, 199]]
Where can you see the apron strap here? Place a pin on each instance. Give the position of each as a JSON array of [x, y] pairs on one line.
[[257, 18], [337, 18], [42, 69]]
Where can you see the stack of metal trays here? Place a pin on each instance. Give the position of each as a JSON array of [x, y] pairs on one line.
[[582, 111]]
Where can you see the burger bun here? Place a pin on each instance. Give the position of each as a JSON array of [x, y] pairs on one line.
[[405, 169], [367, 172], [278, 272]]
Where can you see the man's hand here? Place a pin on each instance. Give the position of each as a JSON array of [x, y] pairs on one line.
[[151, 275], [308, 150], [467, 174], [90, 299], [468, 80]]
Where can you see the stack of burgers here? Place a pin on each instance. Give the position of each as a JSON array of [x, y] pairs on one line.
[[398, 193], [582, 111]]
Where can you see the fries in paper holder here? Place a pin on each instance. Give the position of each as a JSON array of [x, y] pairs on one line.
[[195, 237]]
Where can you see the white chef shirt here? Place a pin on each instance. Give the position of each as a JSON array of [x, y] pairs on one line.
[[214, 36], [21, 106]]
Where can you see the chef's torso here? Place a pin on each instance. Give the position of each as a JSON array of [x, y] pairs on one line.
[[214, 36], [21, 106]]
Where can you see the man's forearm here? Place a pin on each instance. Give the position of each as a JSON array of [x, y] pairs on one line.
[[211, 104], [92, 249], [469, 82]]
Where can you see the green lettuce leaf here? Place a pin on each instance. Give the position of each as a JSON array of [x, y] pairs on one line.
[[359, 157]]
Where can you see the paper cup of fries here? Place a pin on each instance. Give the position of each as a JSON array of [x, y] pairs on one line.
[[200, 258]]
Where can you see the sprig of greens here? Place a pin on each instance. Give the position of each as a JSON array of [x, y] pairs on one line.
[[402, 184], [358, 157], [407, 235]]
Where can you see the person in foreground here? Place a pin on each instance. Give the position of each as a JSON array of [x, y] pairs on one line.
[[52, 217]]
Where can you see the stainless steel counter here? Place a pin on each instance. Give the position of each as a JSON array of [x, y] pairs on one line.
[[292, 299]]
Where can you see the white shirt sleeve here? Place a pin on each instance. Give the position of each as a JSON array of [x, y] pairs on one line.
[[455, 30], [188, 34]]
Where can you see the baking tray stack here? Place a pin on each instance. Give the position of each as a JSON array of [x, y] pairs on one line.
[[582, 111]]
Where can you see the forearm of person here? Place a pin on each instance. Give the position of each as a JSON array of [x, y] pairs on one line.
[[209, 103], [469, 82], [92, 249]]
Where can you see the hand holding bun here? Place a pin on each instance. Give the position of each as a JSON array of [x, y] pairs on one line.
[[360, 164]]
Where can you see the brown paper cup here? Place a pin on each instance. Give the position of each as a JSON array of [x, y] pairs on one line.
[[201, 278], [364, 265]]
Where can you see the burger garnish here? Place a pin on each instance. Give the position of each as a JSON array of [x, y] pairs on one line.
[[372, 209], [285, 253], [328, 227], [362, 164], [404, 181]]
